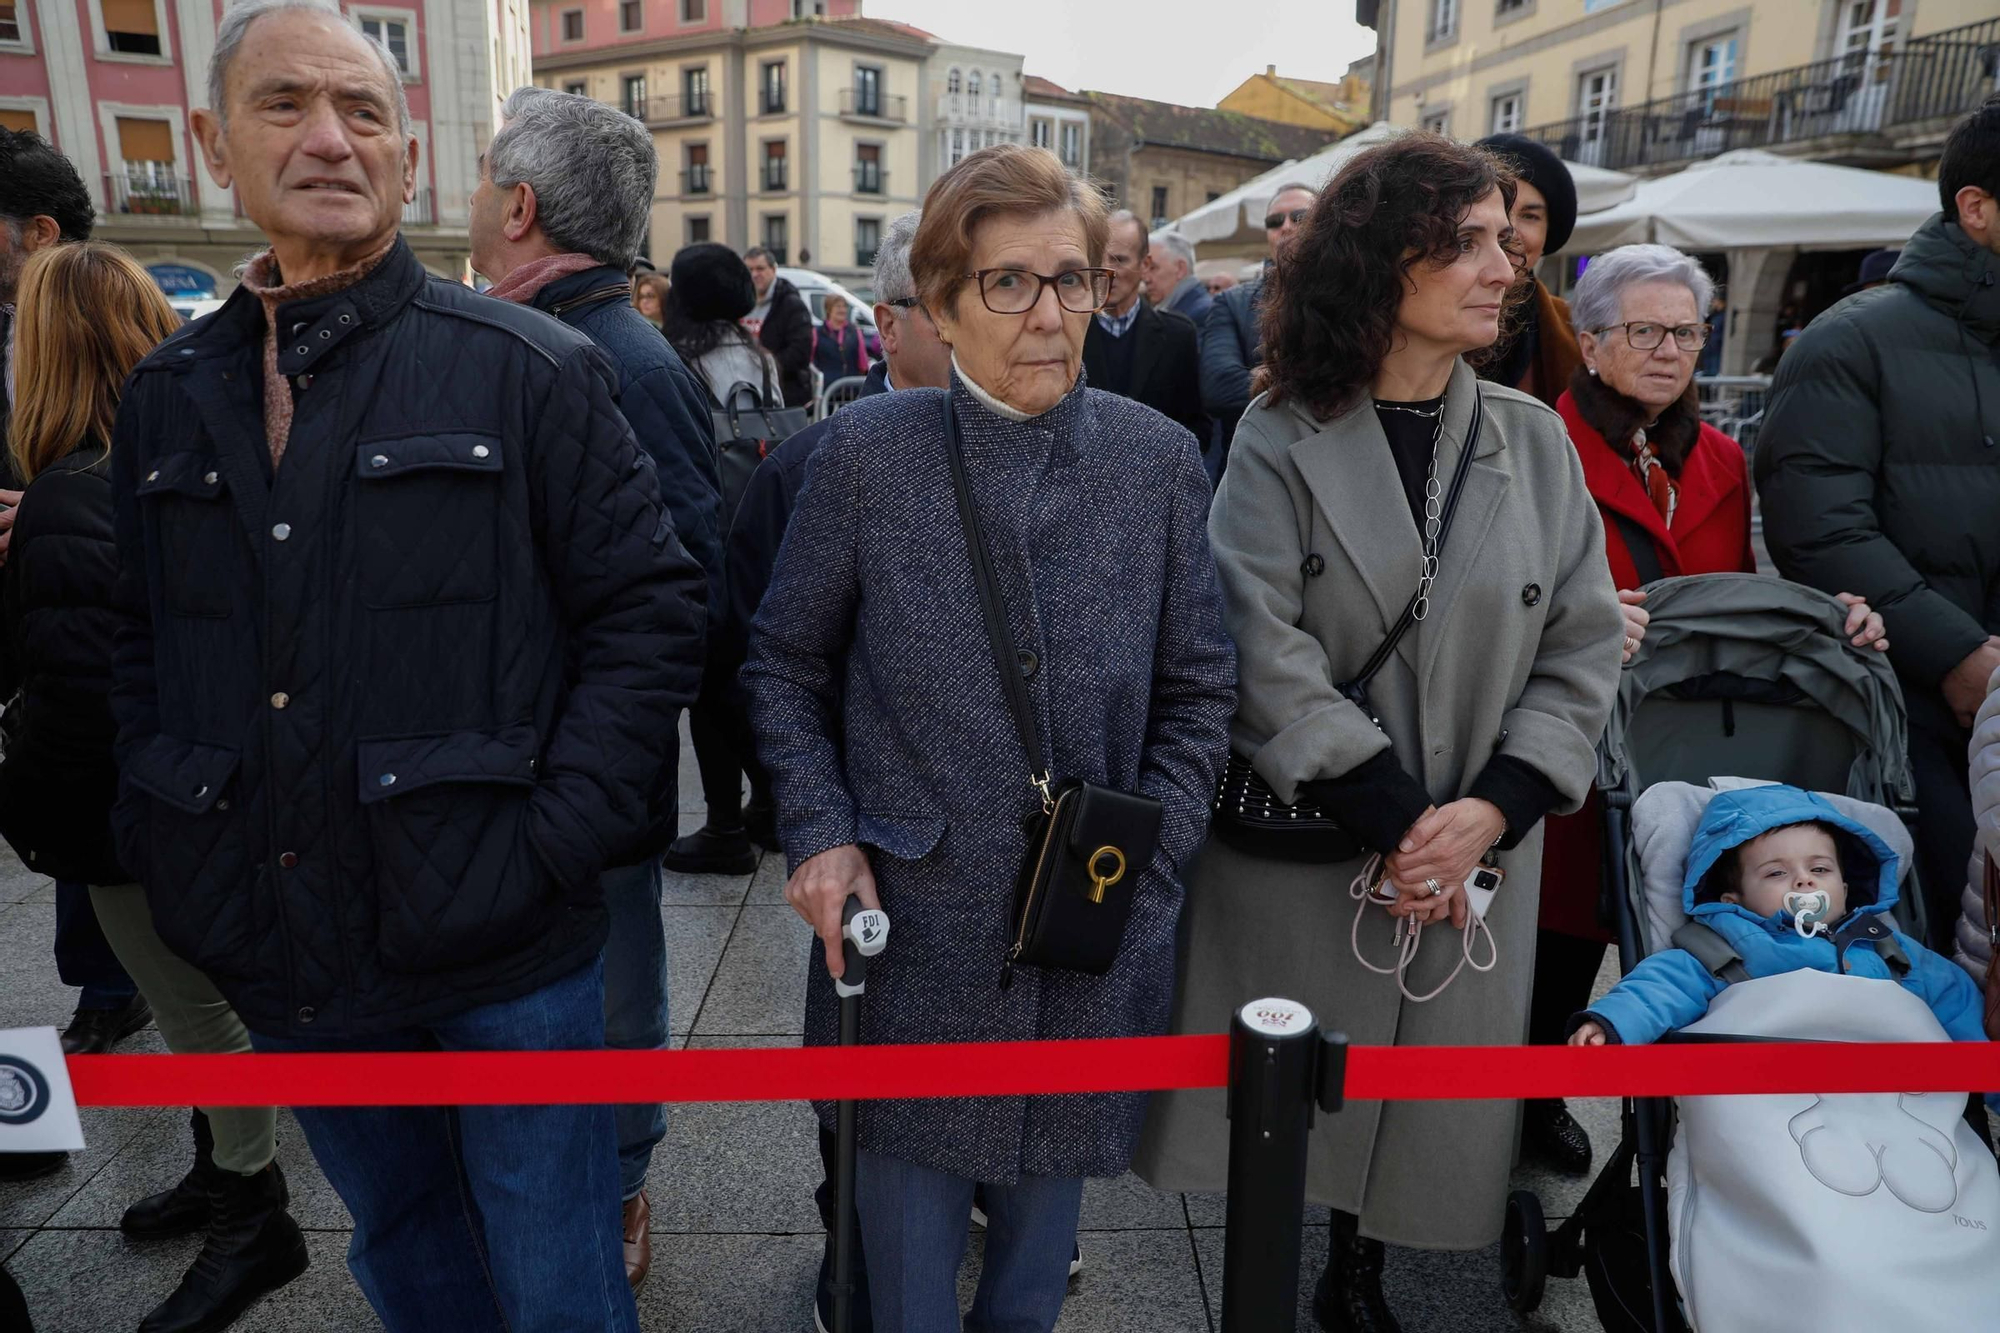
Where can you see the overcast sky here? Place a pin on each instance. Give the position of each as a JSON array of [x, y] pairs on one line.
[[1173, 50]]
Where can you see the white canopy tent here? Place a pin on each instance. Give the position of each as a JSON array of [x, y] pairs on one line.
[[1750, 198], [1238, 216]]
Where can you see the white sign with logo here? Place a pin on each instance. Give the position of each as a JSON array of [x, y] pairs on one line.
[[37, 1108]]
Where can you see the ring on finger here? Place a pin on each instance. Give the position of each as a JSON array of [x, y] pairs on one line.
[[1434, 887]]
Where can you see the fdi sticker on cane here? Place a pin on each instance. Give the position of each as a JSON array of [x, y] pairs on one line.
[[37, 1107]]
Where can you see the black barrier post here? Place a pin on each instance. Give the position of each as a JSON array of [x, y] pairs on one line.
[[1280, 1067]]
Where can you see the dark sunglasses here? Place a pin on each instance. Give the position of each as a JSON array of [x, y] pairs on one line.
[[1274, 221]]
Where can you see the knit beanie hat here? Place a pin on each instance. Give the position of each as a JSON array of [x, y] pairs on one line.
[[711, 282], [1541, 168]]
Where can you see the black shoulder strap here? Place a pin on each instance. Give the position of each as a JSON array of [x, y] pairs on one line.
[[1639, 545], [1409, 616], [997, 635], [1711, 951]]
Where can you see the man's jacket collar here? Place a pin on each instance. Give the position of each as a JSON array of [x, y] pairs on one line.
[[574, 286], [311, 328]]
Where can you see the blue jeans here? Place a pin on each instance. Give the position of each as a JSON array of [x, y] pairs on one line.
[[477, 1218], [913, 1228], [635, 1005], [84, 958]]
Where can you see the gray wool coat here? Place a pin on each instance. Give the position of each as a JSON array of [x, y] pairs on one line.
[[1518, 655], [879, 712]]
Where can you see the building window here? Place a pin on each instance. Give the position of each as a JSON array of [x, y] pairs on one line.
[[1596, 97], [808, 9], [957, 146], [149, 181], [1159, 217], [631, 15], [1505, 7], [972, 84], [952, 82], [1438, 122], [868, 168], [1506, 114], [577, 87], [774, 164], [572, 25], [867, 239], [697, 168], [694, 11], [131, 27], [773, 87], [1444, 20], [778, 236], [10, 23], [13, 118], [1868, 28], [1042, 132], [995, 86], [694, 91], [867, 90], [1711, 64], [697, 230], [632, 95], [1072, 144], [395, 36]]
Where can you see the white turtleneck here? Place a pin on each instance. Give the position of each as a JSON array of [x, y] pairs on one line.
[[987, 400]]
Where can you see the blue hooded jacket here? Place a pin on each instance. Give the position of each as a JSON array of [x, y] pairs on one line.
[[1672, 989]]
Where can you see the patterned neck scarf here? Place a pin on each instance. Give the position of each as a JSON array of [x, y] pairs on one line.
[[1653, 476]]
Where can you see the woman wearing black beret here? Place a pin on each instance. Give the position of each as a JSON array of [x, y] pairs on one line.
[[1537, 351]]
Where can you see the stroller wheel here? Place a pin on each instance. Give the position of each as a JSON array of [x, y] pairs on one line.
[[1524, 1252]]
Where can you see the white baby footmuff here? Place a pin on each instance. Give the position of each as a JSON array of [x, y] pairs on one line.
[[1862, 1212]]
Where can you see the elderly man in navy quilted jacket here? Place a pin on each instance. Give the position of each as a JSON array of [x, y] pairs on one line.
[[407, 628]]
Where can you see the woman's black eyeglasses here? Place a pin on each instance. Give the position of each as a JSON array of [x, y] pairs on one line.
[[1273, 221], [1015, 291], [1646, 336]]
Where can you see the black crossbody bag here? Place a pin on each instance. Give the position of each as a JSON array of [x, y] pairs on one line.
[[1088, 845], [1247, 814]]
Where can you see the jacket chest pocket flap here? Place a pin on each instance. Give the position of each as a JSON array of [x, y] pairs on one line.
[[427, 518], [184, 497]]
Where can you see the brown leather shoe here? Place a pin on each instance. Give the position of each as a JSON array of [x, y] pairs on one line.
[[638, 1239]]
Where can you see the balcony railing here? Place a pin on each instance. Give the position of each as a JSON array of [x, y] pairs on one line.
[[678, 106], [695, 180], [1929, 79], [767, 105], [420, 212], [141, 193], [964, 108], [773, 177], [871, 105], [870, 180], [864, 257]]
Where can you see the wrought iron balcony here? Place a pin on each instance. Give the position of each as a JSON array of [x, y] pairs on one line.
[[131, 193], [696, 180], [678, 106], [869, 104], [420, 212], [1929, 79], [870, 178]]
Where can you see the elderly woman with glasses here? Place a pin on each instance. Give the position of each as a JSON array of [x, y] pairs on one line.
[[901, 775], [1675, 497]]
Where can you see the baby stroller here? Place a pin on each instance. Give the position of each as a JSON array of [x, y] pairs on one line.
[[1740, 675]]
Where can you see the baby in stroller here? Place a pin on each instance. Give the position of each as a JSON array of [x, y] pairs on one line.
[[1789, 884]]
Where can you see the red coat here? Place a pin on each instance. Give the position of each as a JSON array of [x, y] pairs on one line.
[[1711, 535]]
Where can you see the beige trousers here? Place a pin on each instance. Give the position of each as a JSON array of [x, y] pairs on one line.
[[193, 1018]]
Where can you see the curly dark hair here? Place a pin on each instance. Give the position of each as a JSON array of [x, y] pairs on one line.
[[1330, 304], [37, 180]]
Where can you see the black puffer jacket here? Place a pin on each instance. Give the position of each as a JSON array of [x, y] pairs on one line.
[[58, 780], [1877, 467], [383, 719]]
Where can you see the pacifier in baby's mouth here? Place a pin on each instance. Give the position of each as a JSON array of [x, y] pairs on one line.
[[1809, 912]]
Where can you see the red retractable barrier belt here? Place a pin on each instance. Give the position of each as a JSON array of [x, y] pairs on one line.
[[1012, 1068]]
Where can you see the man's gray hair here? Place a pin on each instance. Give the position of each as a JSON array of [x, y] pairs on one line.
[[592, 168], [1125, 215], [236, 21], [893, 281], [1601, 289], [1175, 245]]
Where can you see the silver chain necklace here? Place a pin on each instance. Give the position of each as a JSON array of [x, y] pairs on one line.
[[1413, 411], [1433, 517]]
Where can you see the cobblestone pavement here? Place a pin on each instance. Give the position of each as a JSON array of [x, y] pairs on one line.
[[736, 1239]]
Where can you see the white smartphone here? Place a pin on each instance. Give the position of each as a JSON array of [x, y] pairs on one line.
[[1480, 886]]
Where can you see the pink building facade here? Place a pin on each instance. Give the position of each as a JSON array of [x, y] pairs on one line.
[[563, 27], [110, 83]]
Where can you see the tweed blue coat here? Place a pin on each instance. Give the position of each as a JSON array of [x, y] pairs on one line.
[[881, 718]]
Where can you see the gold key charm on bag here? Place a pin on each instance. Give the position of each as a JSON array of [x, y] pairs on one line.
[[1099, 880]]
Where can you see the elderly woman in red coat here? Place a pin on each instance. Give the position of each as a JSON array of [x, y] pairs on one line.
[[1675, 495]]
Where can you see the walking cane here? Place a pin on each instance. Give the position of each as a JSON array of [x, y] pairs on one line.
[[863, 933]]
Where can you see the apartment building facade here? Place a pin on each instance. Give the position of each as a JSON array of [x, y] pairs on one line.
[[1650, 85], [805, 135], [1057, 119], [1162, 160], [978, 98], [110, 84]]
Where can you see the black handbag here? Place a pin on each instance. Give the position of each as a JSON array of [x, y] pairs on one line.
[[749, 423], [1247, 815], [1088, 845]]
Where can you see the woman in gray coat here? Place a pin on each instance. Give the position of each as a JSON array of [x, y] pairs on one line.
[[1326, 525], [896, 763]]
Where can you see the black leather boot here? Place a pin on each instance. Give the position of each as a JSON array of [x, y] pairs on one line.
[[1551, 1135], [253, 1247], [712, 851], [184, 1208], [1349, 1296]]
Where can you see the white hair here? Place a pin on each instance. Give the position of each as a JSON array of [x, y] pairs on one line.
[[893, 281], [592, 168], [1176, 245], [1601, 290], [236, 21]]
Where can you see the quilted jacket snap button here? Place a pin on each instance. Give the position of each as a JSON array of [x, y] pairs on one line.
[[480, 451], [282, 531], [222, 805], [281, 700], [288, 859], [210, 479], [307, 1014], [379, 460], [388, 779]]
